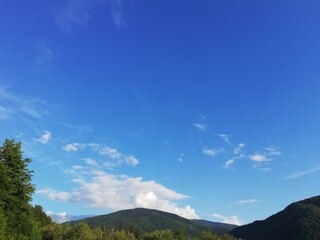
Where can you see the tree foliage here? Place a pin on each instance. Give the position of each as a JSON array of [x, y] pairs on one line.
[[16, 189]]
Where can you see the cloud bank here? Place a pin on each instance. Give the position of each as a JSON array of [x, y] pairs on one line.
[[112, 192]]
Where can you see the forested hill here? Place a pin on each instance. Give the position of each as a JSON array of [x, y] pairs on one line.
[[145, 220], [300, 220]]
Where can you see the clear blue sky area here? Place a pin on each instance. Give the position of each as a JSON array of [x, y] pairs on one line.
[[206, 109]]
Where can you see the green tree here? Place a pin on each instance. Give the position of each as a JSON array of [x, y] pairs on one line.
[[209, 236], [16, 192], [52, 231], [158, 235], [2, 225], [42, 218]]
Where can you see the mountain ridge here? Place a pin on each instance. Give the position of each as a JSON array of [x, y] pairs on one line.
[[145, 220]]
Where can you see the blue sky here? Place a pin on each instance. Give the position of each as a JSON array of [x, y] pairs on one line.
[[205, 109]]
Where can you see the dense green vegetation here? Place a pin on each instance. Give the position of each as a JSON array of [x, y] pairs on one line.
[[300, 220], [145, 220], [17, 216]]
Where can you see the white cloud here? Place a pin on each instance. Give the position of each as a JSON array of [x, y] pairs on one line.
[[247, 201], [106, 191], [45, 138], [58, 217], [131, 160], [228, 219], [90, 162], [64, 217], [200, 127], [225, 137], [238, 149], [110, 152], [114, 157], [229, 163], [54, 195], [303, 173], [74, 147], [258, 157], [212, 152]]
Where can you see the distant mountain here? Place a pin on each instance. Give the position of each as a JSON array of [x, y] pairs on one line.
[[298, 221], [145, 220]]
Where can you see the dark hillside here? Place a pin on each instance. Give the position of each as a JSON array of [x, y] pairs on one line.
[[300, 220]]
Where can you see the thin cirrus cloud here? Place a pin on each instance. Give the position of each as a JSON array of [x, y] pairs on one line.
[[302, 173], [44, 55], [114, 157], [118, 13], [247, 201], [200, 127], [79, 12], [15, 105], [112, 192]]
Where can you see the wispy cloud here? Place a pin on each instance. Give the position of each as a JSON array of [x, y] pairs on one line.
[[262, 160], [114, 157], [13, 105], [74, 12], [79, 12], [212, 152], [44, 55], [200, 127], [118, 13], [106, 191], [225, 137], [303, 173], [202, 117], [228, 163], [247, 201], [228, 219], [271, 151], [238, 148], [5, 113], [45, 137], [180, 158]]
